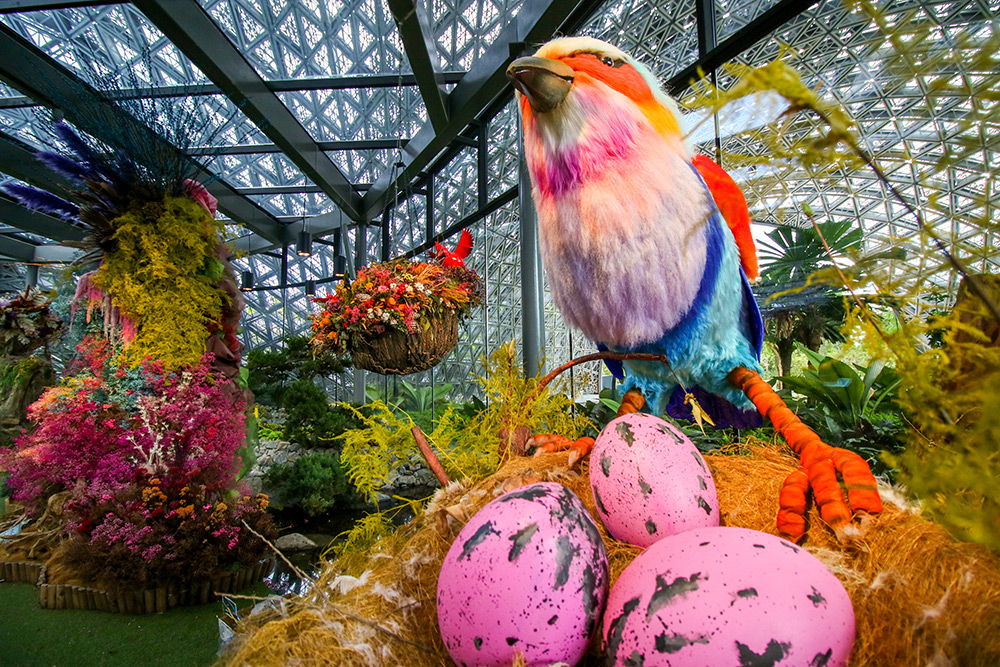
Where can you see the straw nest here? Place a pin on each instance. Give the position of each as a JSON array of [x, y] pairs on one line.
[[920, 598]]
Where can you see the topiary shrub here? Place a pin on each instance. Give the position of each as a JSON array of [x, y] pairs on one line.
[[314, 483]]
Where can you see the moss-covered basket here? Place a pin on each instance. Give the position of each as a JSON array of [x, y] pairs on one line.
[[396, 352]]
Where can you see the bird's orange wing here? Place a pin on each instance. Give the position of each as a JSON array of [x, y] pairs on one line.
[[733, 206]]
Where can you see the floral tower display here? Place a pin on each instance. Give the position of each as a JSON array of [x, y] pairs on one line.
[[129, 478]]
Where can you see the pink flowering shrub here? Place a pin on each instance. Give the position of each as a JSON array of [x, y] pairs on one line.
[[156, 531], [150, 460]]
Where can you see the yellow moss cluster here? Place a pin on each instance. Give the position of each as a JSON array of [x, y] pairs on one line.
[[163, 274]]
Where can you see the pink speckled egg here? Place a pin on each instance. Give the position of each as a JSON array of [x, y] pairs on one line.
[[728, 596], [527, 574], [650, 481]]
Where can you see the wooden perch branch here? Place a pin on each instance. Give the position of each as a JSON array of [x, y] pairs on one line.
[[615, 356]]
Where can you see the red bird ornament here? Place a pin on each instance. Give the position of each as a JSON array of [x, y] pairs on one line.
[[447, 257]]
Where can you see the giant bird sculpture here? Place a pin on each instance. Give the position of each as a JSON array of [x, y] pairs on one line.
[[640, 258]]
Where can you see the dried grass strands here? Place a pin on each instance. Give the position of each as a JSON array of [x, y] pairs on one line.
[[920, 597]]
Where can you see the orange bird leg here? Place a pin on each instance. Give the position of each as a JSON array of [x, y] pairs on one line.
[[545, 443], [821, 464]]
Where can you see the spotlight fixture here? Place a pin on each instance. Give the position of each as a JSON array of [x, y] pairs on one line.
[[339, 265], [304, 247], [310, 288], [246, 281]]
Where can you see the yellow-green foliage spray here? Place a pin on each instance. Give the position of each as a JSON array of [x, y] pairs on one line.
[[163, 275], [900, 301]]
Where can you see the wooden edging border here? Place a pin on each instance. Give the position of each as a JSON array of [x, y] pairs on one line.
[[147, 601]]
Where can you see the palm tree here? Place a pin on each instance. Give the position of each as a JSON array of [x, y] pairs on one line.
[[795, 311]]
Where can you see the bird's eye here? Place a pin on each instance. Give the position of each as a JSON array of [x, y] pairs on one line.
[[608, 60]]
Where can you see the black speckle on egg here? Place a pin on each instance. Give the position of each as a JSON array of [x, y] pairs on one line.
[[671, 643], [701, 483], [600, 503], [666, 592], [552, 621], [511, 641], [477, 538], [520, 540], [617, 628], [702, 503], [606, 465], [704, 544], [759, 546], [477, 642], [635, 660], [530, 492], [789, 545], [565, 552], [774, 652], [817, 598], [650, 527], [644, 487], [821, 659], [744, 594], [697, 457], [625, 432]]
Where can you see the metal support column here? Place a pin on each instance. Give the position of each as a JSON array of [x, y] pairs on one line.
[[429, 208], [31, 275], [532, 295], [360, 259]]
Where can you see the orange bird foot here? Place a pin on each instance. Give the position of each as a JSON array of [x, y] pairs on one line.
[[828, 471], [547, 442]]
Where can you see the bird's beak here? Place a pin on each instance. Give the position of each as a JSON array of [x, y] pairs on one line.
[[545, 82]]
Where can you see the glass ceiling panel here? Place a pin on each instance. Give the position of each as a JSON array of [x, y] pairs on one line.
[[358, 113], [257, 170], [363, 167], [502, 160], [311, 38], [905, 120], [731, 15], [464, 30], [664, 37], [110, 42]]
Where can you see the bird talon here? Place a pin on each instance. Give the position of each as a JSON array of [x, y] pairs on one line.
[[546, 443]]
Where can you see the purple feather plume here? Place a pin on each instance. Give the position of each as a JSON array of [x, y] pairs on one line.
[[66, 166], [76, 143], [42, 201]]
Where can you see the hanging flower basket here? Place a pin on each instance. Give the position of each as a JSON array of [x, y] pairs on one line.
[[398, 317], [395, 352]]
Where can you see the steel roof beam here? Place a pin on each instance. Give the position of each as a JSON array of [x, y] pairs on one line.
[[740, 41], [26, 68], [421, 52], [320, 225], [16, 215], [275, 85], [18, 250], [535, 22], [254, 149], [195, 33], [15, 6]]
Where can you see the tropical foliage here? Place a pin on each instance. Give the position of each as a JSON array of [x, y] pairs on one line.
[[26, 323], [948, 392]]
